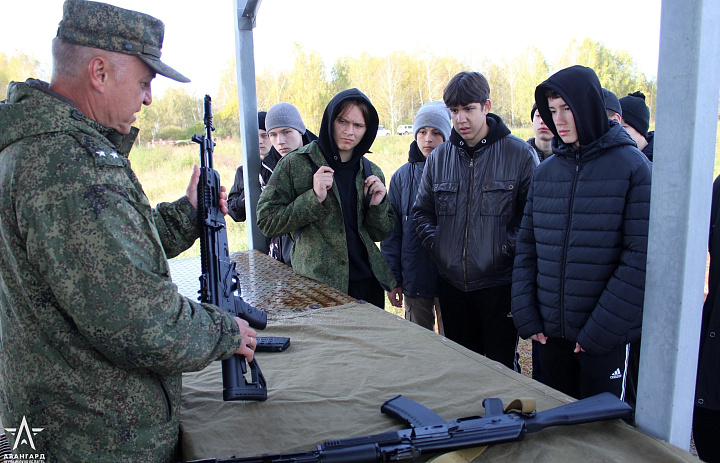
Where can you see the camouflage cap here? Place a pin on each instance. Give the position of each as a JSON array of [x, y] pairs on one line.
[[108, 27]]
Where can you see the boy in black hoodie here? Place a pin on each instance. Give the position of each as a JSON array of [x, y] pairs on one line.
[[333, 202], [579, 273]]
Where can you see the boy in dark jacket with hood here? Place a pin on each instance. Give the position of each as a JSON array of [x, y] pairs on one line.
[[579, 273], [413, 266], [268, 159], [334, 208], [467, 212], [636, 120]]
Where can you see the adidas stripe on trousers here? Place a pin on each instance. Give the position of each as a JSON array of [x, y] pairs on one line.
[[583, 375]]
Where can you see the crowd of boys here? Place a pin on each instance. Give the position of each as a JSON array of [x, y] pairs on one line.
[[486, 236]]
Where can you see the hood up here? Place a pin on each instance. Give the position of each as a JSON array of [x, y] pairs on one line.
[[580, 87], [326, 138]]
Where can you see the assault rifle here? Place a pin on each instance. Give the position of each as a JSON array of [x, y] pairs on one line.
[[430, 434], [219, 283]]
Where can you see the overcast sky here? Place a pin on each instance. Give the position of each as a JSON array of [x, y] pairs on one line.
[[200, 35]]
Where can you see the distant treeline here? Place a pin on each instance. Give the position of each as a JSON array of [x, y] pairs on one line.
[[400, 83], [397, 85]]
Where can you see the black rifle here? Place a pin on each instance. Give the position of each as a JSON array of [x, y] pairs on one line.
[[219, 283], [431, 434]]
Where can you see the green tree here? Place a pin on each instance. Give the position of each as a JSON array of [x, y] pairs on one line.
[[18, 68], [226, 107], [307, 84], [339, 79], [391, 88], [616, 69], [363, 74], [176, 108]]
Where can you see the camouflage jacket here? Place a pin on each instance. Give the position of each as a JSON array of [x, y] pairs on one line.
[[288, 205], [94, 335]]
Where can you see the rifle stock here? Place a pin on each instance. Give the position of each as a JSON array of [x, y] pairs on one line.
[[219, 282], [410, 444]]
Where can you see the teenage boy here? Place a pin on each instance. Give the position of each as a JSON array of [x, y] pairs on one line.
[[268, 159], [287, 133], [286, 129], [542, 142], [612, 106], [333, 203], [636, 120], [467, 212], [579, 276], [413, 266]]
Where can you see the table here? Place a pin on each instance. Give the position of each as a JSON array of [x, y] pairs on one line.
[[346, 359]]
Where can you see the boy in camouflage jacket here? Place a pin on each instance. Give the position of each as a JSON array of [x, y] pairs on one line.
[[329, 234]]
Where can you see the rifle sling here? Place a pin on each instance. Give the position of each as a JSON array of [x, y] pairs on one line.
[[459, 456], [522, 405]]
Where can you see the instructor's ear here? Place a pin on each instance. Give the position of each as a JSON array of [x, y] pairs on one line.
[[99, 73]]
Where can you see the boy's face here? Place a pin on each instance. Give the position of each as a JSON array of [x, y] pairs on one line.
[[349, 129], [264, 143], [540, 129], [637, 136], [428, 139], [470, 121], [564, 121], [285, 140]]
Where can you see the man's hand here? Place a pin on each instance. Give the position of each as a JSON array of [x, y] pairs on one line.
[[375, 187], [222, 200], [540, 337], [322, 182], [191, 191], [249, 339], [192, 194], [396, 297], [578, 349]]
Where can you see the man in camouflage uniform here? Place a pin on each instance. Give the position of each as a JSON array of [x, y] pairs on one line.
[[94, 335]]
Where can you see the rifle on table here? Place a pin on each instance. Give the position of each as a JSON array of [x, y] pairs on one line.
[[219, 282], [429, 433]]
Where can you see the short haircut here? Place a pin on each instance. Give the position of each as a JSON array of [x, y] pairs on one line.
[[552, 94], [71, 60], [359, 102], [465, 88]]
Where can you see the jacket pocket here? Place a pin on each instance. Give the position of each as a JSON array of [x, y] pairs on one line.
[[446, 194], [497, 197], [167, 399], [152, 257]]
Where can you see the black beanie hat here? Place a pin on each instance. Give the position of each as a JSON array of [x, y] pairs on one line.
[[532, 113], [611, 102], [261, 120], [635, 112]]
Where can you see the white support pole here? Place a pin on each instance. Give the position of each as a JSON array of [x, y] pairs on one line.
[[684, 152], [246, 13]]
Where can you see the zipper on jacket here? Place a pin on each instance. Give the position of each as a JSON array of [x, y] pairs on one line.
[[565, 246], [467, 223]]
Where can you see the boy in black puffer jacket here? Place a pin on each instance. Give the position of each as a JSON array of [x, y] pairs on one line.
[[579, 273]]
